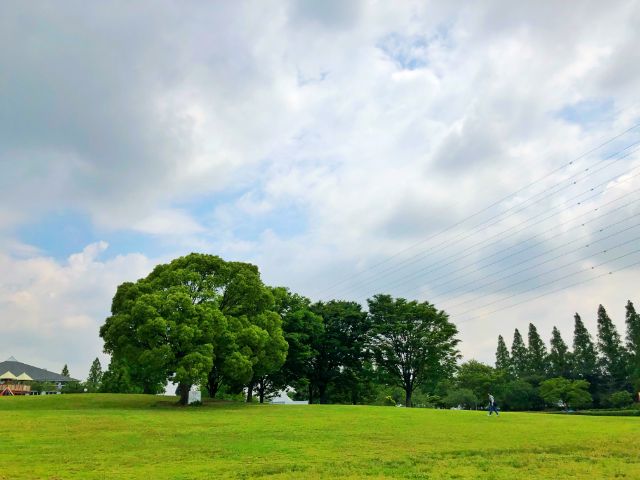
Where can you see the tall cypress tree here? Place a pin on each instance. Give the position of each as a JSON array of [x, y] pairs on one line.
[[612, 358], [585, 364], [503, 360], [518, 355], [536, 353], [95, 376], [559, 356], [633, 343]]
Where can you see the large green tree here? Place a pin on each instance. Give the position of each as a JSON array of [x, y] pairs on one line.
[[413, 343], [340, 349], [302, 328], [632, 319], [559, 356], [192, 319], [612, 358], [536, 353], [519, 357]]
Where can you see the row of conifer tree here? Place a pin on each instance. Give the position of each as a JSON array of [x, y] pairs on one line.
[[609, 363]]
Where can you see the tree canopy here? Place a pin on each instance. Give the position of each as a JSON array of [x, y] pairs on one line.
[[192, 320], [412, 342]]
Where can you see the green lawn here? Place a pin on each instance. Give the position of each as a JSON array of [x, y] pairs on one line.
[[146, 437]]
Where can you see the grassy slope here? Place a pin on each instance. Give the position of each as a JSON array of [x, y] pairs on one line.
[[133, 437]]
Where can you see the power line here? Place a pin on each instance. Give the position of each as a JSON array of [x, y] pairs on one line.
[[523, 205], [502, 235], [611, 272], [550, 283], [487, 208], [529, 259], [544, 273], [528, 247]]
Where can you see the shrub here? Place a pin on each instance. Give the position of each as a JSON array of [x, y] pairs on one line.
[[389, 401], [620, 399], [461, 396]]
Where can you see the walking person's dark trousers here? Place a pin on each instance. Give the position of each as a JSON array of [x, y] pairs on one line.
[[493, 408]]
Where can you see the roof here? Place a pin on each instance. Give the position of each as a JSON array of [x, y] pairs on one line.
[[24, 377], [7, 376], [37, 374]]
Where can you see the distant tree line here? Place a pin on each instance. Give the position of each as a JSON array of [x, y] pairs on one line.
[[603, 372], [200, 320]]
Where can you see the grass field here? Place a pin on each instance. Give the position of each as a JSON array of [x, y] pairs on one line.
[[147, 437]]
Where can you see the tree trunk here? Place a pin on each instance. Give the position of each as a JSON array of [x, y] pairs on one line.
[[322, 390], [183, 391], [213, 383], [407, 398], [262, 386], [310, 393], [250, 392]]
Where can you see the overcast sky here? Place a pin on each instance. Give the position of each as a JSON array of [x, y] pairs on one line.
[[339, 145]]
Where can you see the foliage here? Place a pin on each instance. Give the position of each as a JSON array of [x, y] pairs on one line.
[[503, 359], [196, 320], [389, 401], [566, 393], [117, 379], [519, 357], [536, 353], [463, 397], [73, 387], [65, 370], [612, 359], [340, 347], [585, 359], [94, 379], [632, 320], [43, 387], [519, 395], [302, 330], [481, 379], [559, 356], [620, 399], [412, 342]]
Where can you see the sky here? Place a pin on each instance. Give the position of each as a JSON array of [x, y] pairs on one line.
[[482, 156]]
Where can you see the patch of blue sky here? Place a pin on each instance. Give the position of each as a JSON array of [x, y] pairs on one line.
[[60, 234], [410, 52], [588, 112], [284, 222], [407, 52], [250, 226]]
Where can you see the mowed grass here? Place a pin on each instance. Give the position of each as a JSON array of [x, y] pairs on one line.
[[147, 437]]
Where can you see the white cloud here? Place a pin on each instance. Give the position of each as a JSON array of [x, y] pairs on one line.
[[380, 123], [51, 311], [169, 222]]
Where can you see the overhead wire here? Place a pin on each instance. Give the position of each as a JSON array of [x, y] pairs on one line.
[[479, 212], [481, 285], [554, 269], [580, 282], [502, 235], [565, 184]]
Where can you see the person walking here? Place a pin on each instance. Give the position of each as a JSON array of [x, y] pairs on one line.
[[492, 405]]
